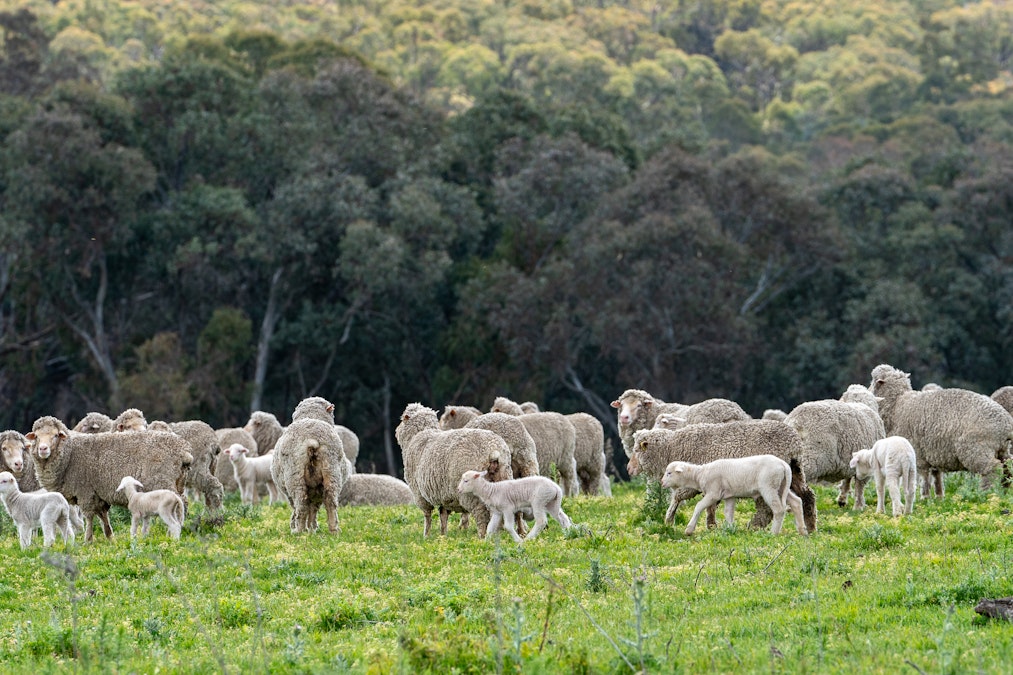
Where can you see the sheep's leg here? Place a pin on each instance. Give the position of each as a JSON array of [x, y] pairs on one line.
[[508, 525], [910, 488], [25, 532], [794, 504], [893, 485], [107, 529], [776, 502], [860, 484], [134, 520], [272, 493], [555, 508], [494, 523], [568, 474], [312, 508], [880, 492], [763, 515], [427, 514], [48, 523], [808, 497], [842, 493], [927, 484], [730, 511], [145, 526], [332, 516], [678, 497], [464, 521], [444, 515], [705, 502]]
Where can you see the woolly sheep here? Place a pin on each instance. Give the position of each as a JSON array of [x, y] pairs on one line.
[[774, 414], [223, 467], [891, 461], [159, 425], [250, 473], [375, 489], [265, 429], [130, 419], [589, 454], [165, 504], [931, 386], [94, 423], [534, 495], [457, 416], [702, 443], [317, 407], [831, 432], [434, 461], [1004, 397], [87, 468], [15, 458], [349, 444], [309, 465], [764, 476], [530, 407], [950, 429], [555, 440], [204, 447], [859, 393], [710, 411], [523, 454], [636, 410], [32, 510]]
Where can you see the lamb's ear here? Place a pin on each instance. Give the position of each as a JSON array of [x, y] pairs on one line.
[[680, 469], [481, 474]]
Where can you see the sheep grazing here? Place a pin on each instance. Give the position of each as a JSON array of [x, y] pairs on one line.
[[774, 414], [703, 443], [534, 495], [130, 419], [375, 489], [87, 468], [764, 476], [32, 510], [710, 411], [457, 416], [1004, 397], [200, 480], [15, 458], [434, 461], [892, 462], [555, 441], [309, 465], [638, 410], [223, 467], [265, 429], [589, 454], [165, 504], [250, 473], [94, 423], [950, 429]]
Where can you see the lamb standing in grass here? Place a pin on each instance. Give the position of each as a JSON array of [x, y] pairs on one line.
[[534, 495], [165, 504], [223, 467], [763, 476], [250, 473], [891, 461], [555, 441], [31, 510]]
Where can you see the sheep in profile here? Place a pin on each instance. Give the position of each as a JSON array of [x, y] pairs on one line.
[[638, 410], [457, 416], [223, 467], [15, 458], [555, 441], [892, 462], [250, 473], [32, 510], [950, 429], [130, 419], [774, 414], [165, 504], [764, 476], [94, 423], [375, 489], [533, 496]]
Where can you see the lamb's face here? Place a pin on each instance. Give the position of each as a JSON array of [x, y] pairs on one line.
[[673, 475], [468, 479], [129, 481], [13, 450], [236, 452], [630, 409], [861, 462], [7, 482], [45, 440]]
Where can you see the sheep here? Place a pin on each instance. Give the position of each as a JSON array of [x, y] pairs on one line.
[[166, 504], [265, 429], [204, 448], [159, 425], [94, 423], [375, 489], [859, 393], [764, 476], [87, 468], [457, 416], [589, 454], [555, 439], [223, 468], [530, 407], [774, 414], [831, 432], [534, 495], [309, 466], [1004, 397], [891, 461], [349, 443], [130, 419], [252, 472], [434, 461], [638, 410], [709, 411], [931, 386], [950, 429], [32, 510], [523, 454], [702, 443], [317, 407], [15, 458]]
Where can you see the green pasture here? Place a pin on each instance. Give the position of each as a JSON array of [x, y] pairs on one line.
[[617, 593]]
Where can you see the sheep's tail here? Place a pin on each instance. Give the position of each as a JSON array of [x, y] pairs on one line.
[[804, 492], [177, 510]]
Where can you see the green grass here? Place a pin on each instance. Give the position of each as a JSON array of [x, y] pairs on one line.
[[618, 593]]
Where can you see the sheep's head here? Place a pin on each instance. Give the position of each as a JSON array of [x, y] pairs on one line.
[[13, 446], [7, 482], [314, 407], [504, 405], [130, 419], [674, 476], [94, 423], [468, 480], [236, 452], [415, 418], [633, 405], [861, 462], [888, 380], [129, 481], [46, 435], [669, 421]]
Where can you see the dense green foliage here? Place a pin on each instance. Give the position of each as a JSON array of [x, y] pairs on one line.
[[617, 594], [208, 207]]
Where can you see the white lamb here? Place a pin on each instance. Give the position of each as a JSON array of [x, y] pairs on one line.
[[31, 510], [763, 476], [165, 504], [891, 461], [251, 473], [532, 496]]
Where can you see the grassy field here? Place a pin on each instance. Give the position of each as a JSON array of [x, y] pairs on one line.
[[618, 593]]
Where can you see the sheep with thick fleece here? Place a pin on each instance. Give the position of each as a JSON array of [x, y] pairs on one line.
[[1004, 397], [87, 468], [831, 432], [130, 419], [309, 465], [761, 476], [775, 414], [523, 454], [589, 454], [859, 393], [709, 411], [143, 506], [530, 407], [534, 495], [265, 429], [637, 410], [94, 423], [702, 443], [200, 480], [555, 441], [317, 407], [250, 473], [223, 467], [375, 489], [892, 462], [15, 457], [434, 461], [32, 510], [950, 429], [457, 416], [349, 444]]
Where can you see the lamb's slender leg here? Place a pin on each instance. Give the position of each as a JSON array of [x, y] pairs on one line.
[[893, 485], [910, 488], [705, 501], [776, 502], [107, 529], [494, 524], [25, 535], [794, 504], [880, 492], [134, 520], [729, 511], [145, 525], [508, 525], [555, 509]]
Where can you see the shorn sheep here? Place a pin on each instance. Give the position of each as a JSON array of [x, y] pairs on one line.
[[143, 506], [32, 510], [892, 462], [950, 429], [637, 410], [534, 496], [555, 441], [250, 473], [434, 461], [763, 476], [15, 458]]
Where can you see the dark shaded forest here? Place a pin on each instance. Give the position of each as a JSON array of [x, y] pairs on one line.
[[233, 207]]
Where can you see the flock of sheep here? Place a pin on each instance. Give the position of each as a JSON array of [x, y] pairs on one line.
[[512, 464]]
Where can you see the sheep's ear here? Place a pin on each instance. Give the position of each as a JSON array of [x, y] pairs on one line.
[[880, 399], [680, 469], [62, 434], [481, 473], [30, 435], [643, 445], [616, 404], [452, 413], [330, 408], [404, 418]]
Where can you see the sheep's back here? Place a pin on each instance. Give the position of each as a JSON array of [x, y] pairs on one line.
[[291, 459], [447, 455], [523, 455], [375, 489], [554, 438], [831, 431]]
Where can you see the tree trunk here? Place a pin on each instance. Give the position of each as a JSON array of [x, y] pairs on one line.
[[271, 315], [96, 340], [388, 446]]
